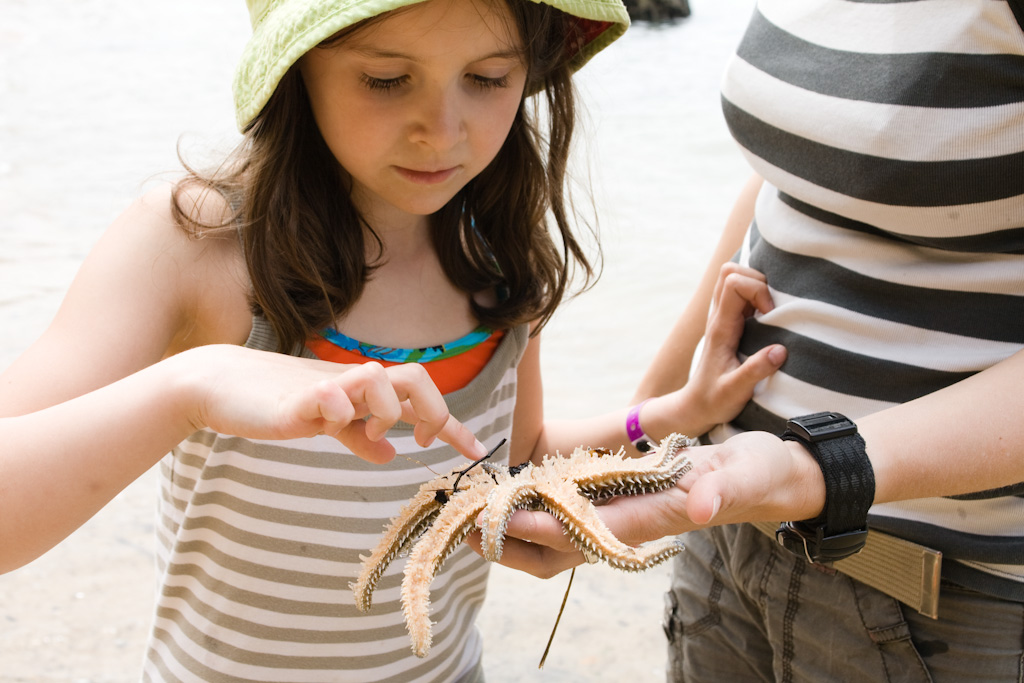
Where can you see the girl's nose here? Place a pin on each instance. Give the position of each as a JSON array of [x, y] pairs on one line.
[[440, 119]]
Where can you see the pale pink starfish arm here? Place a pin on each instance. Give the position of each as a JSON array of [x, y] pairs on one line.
[[449, 529], [614, 475], [589, 533], [501, 503]]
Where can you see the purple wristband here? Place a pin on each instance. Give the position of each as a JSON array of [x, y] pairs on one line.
[[634, 432]]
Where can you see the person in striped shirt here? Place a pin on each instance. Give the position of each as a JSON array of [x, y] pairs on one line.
[[886, 216]]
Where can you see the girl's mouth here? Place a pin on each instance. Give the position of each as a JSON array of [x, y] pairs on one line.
[[427, 177]]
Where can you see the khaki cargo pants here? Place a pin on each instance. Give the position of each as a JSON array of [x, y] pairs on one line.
[[743, 609]]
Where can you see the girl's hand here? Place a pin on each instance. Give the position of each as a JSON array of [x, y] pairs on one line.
[[753, 476], [107, 437], [721, 385], [263, 395]]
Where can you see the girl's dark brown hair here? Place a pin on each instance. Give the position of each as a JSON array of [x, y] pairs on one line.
[[303, 240]]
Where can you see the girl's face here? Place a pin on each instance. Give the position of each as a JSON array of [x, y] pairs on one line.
[[417, 104]]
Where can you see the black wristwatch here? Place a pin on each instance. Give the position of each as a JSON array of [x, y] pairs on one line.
[[841, 529]]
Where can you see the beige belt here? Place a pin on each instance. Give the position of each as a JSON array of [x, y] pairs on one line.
[[901, 569]]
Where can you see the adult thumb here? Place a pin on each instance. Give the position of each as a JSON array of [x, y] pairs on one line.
[[706, 499]]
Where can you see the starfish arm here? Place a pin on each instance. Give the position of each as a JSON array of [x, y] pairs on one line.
[[412, 519], [615, 475], [671, 450], [629, 481], [450, 528], [396, 540], [501, 503], [590, 534]]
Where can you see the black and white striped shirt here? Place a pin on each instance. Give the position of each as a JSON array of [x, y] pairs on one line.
[[890, 134]]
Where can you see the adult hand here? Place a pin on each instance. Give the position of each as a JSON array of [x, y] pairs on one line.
[[265, 395], [753, 476]]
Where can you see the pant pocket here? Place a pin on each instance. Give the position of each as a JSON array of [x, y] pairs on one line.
[[888, 629], [713, 630], [672, 625]]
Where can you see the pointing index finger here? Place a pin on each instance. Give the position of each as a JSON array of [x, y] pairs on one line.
[[461, 439]]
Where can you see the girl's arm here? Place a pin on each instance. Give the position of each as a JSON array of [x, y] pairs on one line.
[[670, 368], [90, 405], [716, 393], [60, 465]]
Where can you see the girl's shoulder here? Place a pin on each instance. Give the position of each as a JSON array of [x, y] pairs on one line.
[[145, 291], [207, 248], [193, 280]]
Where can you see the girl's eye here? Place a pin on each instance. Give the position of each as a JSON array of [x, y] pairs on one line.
[[382, 84], [485, 83]]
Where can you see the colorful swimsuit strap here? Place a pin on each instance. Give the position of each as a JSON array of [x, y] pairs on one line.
[[424, 355]]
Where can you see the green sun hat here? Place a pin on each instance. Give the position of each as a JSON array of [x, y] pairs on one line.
[[284, 30]]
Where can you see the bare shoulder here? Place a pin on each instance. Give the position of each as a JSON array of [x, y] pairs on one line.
[[213, 282], [146, 290], [197, 275]]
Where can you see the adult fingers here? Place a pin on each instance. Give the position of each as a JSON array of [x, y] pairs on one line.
[[638, 519], [754, 476], [726, 496], [706, 498]]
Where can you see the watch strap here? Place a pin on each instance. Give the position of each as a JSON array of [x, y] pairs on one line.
[[849, 480]]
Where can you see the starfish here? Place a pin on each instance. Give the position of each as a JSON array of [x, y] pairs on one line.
[[445, 510]]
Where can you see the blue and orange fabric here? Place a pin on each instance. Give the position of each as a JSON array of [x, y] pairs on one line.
[[451, 366]]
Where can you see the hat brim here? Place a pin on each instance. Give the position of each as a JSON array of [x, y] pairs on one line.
[[291, 29]]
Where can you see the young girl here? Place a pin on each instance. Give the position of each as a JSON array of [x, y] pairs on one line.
[[392, 188]]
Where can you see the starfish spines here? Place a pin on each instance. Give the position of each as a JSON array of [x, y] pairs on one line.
[[564, 486], [450, 528], [502, 502], [410, 522]]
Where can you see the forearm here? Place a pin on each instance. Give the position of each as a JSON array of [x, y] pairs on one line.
[[660, 417], [965, 438], [60, 465], [671, 365], [670, 368], [604, 431]]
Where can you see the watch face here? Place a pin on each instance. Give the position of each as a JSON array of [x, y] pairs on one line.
[[821, 426]]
